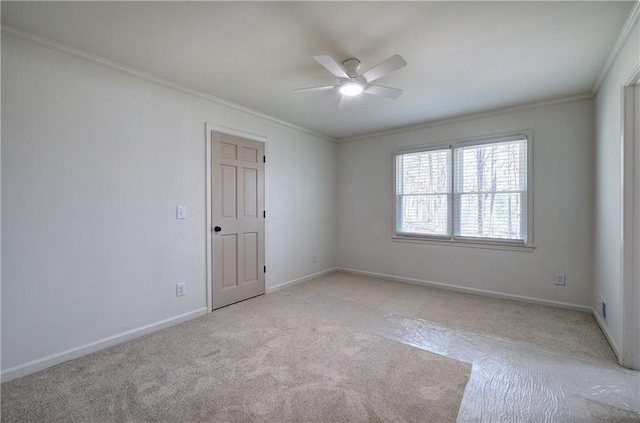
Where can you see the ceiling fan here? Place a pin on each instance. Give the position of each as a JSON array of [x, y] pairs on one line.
[[352, 84]]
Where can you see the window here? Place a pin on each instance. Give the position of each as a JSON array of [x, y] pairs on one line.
[[473, 191]]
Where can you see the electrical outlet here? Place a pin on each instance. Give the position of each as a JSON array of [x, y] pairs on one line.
[[181, 289], [560, 279], [314, 258]]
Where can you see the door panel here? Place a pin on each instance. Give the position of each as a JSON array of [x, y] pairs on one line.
[[250, 192], [237, 208], [229, 260], [229, 151], [250, 154], [229, 192], [250, 257]]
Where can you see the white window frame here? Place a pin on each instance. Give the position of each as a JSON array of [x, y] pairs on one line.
[[452, 239]]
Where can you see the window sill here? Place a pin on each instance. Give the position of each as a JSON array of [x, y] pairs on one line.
[[465, 244]]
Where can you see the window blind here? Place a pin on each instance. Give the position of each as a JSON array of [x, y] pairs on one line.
[[423, 192], [490, 190]]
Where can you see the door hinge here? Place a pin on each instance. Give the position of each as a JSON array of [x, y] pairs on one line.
[[265, 269], [264, 159], [264, 214]]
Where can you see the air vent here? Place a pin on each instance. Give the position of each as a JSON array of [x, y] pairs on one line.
[[602, 308]]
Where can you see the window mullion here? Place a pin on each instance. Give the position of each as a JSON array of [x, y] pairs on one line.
[[455, 181]]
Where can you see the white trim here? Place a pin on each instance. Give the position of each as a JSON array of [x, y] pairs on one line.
[[284, 285], [128, 70], [209, 224], [624, 35], [208, 221], [235, 132], [607, 335], [633, 75], [475, 291], [464, 243], [421, 149], [630, 219], [51, 360], [471, 116]]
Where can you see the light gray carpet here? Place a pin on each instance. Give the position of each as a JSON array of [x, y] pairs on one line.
[[234, 366], [570, 332]]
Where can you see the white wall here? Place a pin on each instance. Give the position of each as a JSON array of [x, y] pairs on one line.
[[562, 181], [607, 209], [94, 163]]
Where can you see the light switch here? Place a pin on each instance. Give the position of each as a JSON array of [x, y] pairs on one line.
[[181, 212]]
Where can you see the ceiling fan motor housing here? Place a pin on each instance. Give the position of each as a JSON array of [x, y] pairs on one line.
[[351, 67]]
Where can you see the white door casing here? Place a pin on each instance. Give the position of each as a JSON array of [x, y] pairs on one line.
[[630, 289]]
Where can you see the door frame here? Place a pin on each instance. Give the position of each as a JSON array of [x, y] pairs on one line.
[[630, 207], [208, 190]]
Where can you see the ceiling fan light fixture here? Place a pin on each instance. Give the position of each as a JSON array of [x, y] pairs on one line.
[[351, 83], [351, 89]]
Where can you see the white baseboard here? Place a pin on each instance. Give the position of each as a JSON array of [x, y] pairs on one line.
[[283, 285], [466, 290], [58, 358], [607, 334]]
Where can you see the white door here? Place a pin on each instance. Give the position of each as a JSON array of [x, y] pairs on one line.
[[238, 218]]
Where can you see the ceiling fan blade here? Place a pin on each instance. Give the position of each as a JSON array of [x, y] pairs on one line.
[[381, 91], [344, 102], [391, 64], [332, 66], [322, 88]]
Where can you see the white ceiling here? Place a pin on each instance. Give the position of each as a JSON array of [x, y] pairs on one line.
[[463, 57]]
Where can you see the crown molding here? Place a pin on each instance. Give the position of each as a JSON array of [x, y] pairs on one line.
[[479, 115], [136, 73], [625, 33]]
